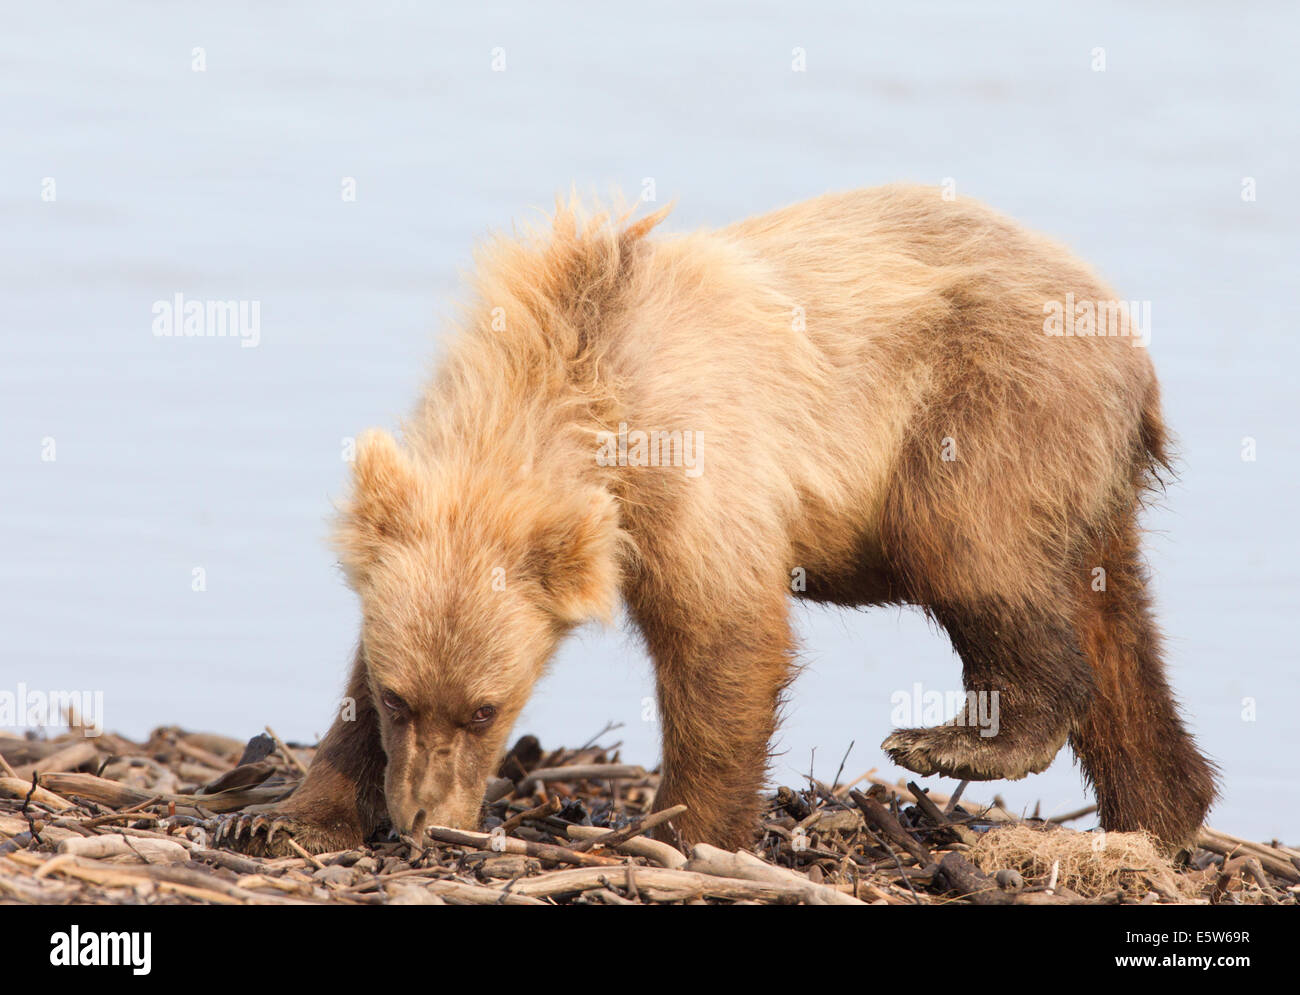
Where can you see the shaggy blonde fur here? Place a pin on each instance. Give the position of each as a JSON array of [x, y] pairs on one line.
[[878, 410]]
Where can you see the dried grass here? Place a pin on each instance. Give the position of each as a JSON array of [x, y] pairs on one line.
[[1090, 864]]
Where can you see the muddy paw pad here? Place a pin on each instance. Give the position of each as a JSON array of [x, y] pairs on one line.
[[909, 749], [951, 751], [959, 751]]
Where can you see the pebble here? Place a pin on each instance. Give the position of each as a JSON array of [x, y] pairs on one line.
[[1009, 880]]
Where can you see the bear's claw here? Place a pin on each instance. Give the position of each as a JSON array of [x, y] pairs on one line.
[[265, 831], [242, 830]]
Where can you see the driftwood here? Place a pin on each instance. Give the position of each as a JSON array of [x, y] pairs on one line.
[[104, 820], [956, 873], [140, 848], [660, 884], [880, 818], [116, 795], [14, 787], [1276, 860], [937, 817], [70, 757], [635, 828], [658, 853], [545, 851], [581, 772], [710, 860]]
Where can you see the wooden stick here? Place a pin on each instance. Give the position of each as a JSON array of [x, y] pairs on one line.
[[931, 812], [548, 807], [880, 817], [70, 757], [152, 835], [231, 861], [203, 756], [196, 884], [287, 753], [660, 884], [843, 789], [1071, 816], [663, 854], [147, 849], [990, 813], [955, 797], [297, 848], [114, 794], [580, 772], [12, 787], [634, 828], [707, 859], [1271, 850], [127, 813], [961, 876], [460, 893], [509, 844], [1274, 865]]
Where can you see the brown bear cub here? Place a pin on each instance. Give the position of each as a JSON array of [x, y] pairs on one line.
[[879, 397]]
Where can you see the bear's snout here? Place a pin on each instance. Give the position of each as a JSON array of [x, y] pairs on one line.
[[431, 787]]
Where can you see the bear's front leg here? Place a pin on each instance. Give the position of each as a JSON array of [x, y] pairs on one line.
[[341, 800], [720, 677]]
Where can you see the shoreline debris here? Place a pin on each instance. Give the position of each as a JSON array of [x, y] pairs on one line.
[[111, 821]]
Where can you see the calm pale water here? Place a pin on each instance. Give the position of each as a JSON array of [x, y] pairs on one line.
[[178, 454]]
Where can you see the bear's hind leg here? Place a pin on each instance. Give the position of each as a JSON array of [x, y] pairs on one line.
[[1142, 763], [1029, 685]]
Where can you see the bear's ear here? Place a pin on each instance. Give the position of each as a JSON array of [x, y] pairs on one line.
[[575, 558], [385, 506]]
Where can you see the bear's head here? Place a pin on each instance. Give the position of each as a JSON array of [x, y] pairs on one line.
[[468, 577]]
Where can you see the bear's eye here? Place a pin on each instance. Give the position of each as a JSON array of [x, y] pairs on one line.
[[484, 715], [393, 702]]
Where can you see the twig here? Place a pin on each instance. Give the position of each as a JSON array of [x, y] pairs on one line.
[[134, 810], [609, 727], [579, 772], [287, 753], [955, 797], [548, 807], [1071, 816], [931, 812], [878, 816], [27, 801], [902, 872], [843, 761], [310, 858], [635, 828], [509, 844]]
